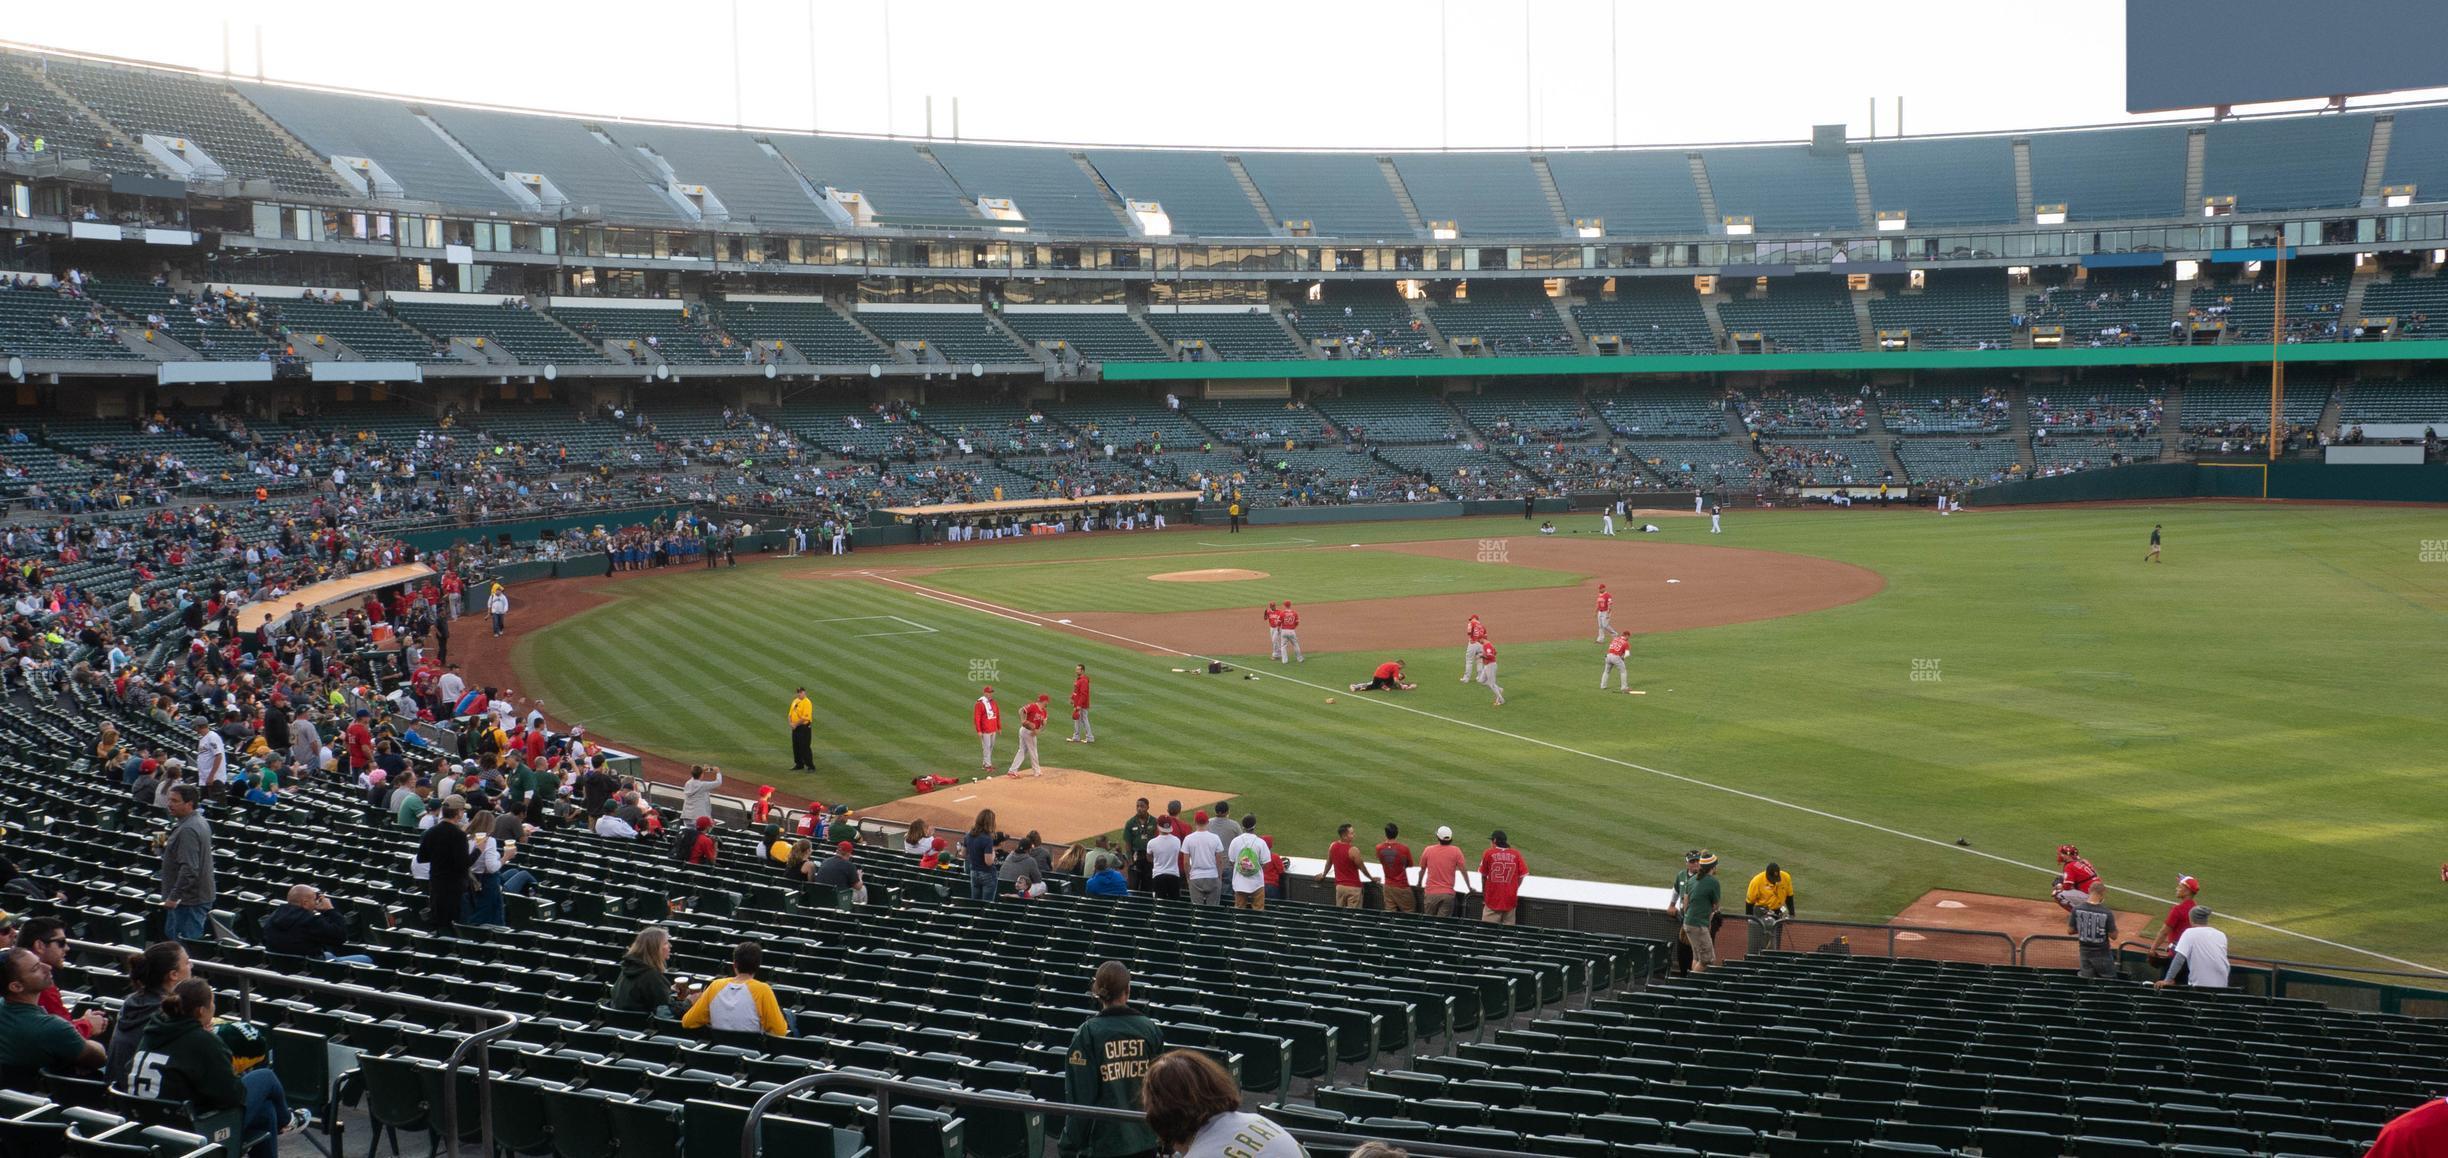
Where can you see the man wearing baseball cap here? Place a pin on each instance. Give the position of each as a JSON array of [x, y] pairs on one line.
[[2179, 919], [1441, 865], [1700, 901], [1674, 908], [2200, 956]]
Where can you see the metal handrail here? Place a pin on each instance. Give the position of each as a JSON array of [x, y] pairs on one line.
[[480, 1041], [884, 1088]]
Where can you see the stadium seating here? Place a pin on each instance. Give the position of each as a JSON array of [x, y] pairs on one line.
[[1663, 412], [2109, 175], [875, 435], [1462, 471], [1483, 194], [2109, 308], [1400, 415], [1969, 409], [2412, 300], [1128, 421], [995, 427], [1648, 315], [371, 334], [1197, 190], [1955, 462], [511, 326], [1717, 464], [2425, 402], [1803, 413], [1942, 181], [1822, 462], [677, 335], [2418, 151], [1783, 188], [754, 187], [387, 133], [30, 327], [2287, 163], [2060, 454], [185, 106], [1051, 191], [1098, 337], [223, 336], [2315, 304], [1630, 192], [1794, 314], [2096, 410], [1249, 336], [1258, 421], [34, 111], [583, 167], [1509, 318], [1953, 310], [1360, 320], [1339, 194], [962, 338], [900, 185], [1526, 413], [2212, 406], [812, 328]]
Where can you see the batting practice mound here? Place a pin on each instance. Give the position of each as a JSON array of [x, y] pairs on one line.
[[1210, 575], [1657, 587], [1066, 805]]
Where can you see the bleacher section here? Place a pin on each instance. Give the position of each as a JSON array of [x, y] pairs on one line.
[[218, 335], [1197, 190], [1822, 462], [2418, 152], [1461, 471], [1803, 413], [995, 427], [2111, 175], [1266, 423], [186, 106], [1962, 181], [2413, 301], [1968, 409], [2095, 410], [1954, 462], [1954, 310], [678, 335], [1663, 412], [33, 111], [2288, 163], [2315, 304], [900, 185], [752, 185], [1527, 414], [2424, 402], [2213, 407], [371, 334], [387, 133], [1650, 315], [962, 337], [1346, 311], [1803, 315], [30, 327], [1102, 337], [1339, 194], [1051, 191], [874, 435], [1251, 336], [1129, 423], [1633, 192], [583, 168], [1783, 188], [1711, 463], [2088, 453], [1510, 319], [812, 328], [514, 328], [2109, 308], [1483, 194], [1399, 415]]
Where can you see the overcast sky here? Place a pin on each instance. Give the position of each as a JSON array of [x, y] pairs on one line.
[[1345, 73]]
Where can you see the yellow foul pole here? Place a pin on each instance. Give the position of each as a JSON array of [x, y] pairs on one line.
[[2277, 340]]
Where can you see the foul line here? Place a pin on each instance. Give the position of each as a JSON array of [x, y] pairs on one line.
[[1019, 616], [916, 628]]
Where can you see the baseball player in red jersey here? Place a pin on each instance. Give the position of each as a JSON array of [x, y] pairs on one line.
[[1474, 633], [989, 720], [1288, 651], [2075, 875], [1616, 652], [1606, 613], [1487, 670], [1032, 721], [1081, 730]]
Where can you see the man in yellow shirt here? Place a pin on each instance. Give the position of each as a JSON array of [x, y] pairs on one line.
[[803, 733], [739, 1003], [1772, 890]]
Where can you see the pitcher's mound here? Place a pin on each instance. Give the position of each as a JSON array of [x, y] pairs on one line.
[[1065, 806], [1210, 575]]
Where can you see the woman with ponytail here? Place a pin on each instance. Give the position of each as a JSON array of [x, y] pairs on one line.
[[151, 976], [180, 1059]]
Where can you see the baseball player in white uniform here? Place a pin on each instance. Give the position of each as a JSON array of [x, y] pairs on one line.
[[1699, 505], [1606, 613], [1714, 526], [1487, 670], [1616, 652], [1606, 523], [1474, 633]]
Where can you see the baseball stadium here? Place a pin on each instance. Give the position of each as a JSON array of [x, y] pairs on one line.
[[630, 634]]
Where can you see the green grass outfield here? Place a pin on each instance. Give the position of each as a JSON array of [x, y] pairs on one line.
[[2263, 710]]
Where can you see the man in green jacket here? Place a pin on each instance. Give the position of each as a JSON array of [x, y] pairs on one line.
[[1109, 1061]]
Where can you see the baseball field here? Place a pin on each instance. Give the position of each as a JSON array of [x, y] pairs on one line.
[[1884, 702]]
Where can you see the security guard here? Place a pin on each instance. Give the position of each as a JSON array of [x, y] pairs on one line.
[[803, 733], [1109, 1061]]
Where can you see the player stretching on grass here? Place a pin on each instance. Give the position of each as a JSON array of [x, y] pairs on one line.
[[1487, 670], [1388, 679], [1474, 633], [1616, 652], [2153, 557]]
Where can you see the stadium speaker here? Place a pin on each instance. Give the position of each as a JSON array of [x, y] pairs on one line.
[[1827, 140]]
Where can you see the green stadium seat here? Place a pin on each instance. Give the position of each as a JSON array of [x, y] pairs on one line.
[[1712, 1138]]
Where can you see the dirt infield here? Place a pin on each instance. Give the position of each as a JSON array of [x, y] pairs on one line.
[[2017, 917], [1066, 805], [1209, 575], [1658, 587]]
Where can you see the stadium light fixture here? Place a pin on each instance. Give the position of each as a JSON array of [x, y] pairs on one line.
[[1891, 221], [2048, 214], [1738, 226], [2396, 196], [1588, 228], [1444, 230]]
